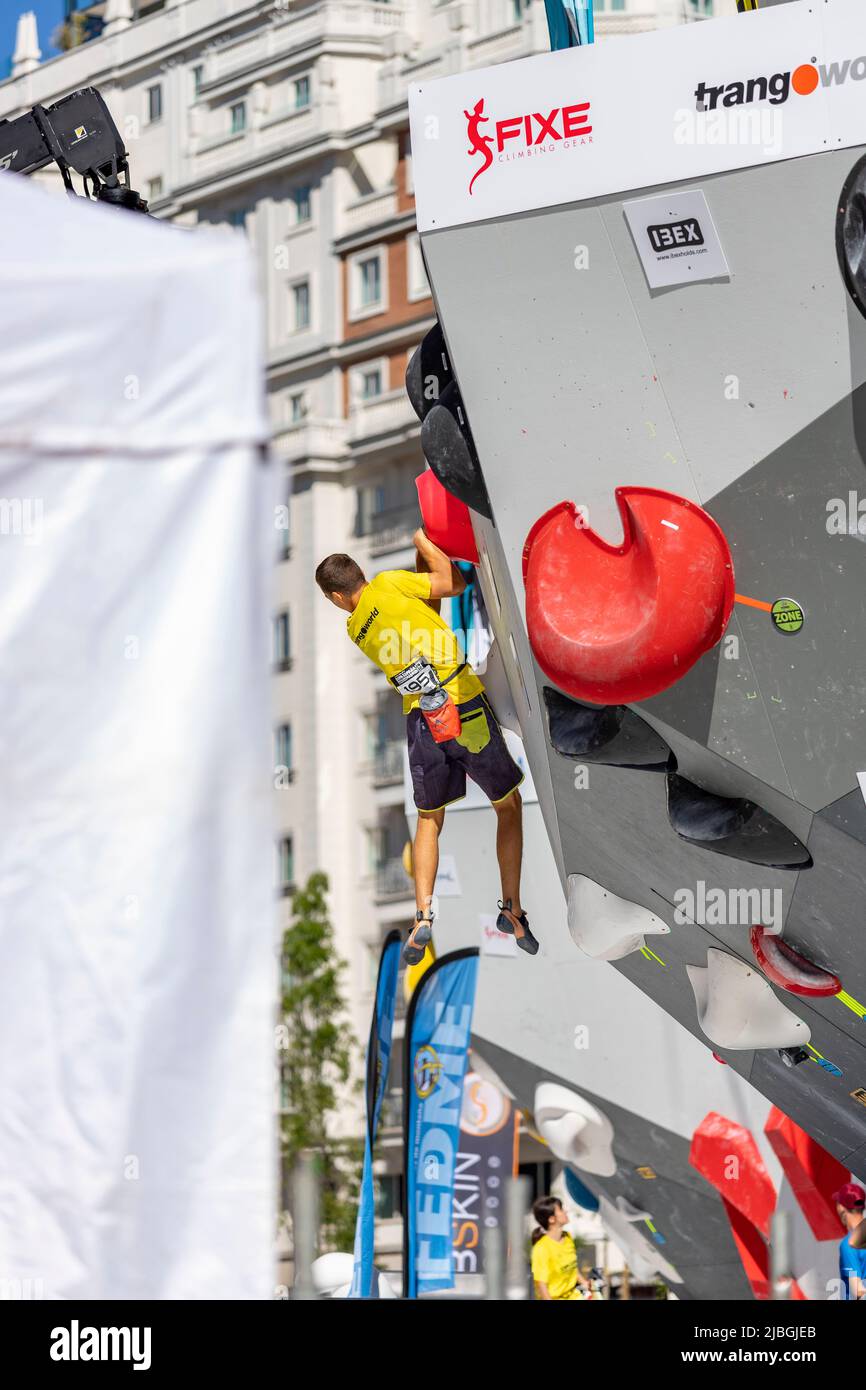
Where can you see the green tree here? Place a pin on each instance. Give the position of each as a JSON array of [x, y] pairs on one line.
[[319, 1053]]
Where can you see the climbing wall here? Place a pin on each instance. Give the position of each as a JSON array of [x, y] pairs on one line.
[[649, 1133], [695, 742]]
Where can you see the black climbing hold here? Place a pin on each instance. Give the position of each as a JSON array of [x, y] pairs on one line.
[[851, 234], [611, 734], [448, 448], [732, 826], [428, 372], [793, 1056]]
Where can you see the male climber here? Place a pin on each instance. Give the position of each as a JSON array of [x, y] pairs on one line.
[[394, 621]]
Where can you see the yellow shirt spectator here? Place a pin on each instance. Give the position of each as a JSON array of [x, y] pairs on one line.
[[394, 626], [554, 1263]]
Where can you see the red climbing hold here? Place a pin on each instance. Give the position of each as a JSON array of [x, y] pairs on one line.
[[751, 1249], [813, 1174], [446, 519], [789, 970], [746, 1184], [618, 623]]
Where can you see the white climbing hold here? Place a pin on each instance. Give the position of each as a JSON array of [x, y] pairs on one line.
[[631, 1212], [604, 926], [738, 1010], [641, 1253], [575, 1130]]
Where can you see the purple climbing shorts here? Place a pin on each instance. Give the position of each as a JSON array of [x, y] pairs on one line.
[[439, 770]]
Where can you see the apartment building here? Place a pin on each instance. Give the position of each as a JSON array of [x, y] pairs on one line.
[[287, 122]]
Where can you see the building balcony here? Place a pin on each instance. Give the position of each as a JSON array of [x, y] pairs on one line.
[[392, 881], [370, 211], [296, 27], [370, 421], [392, 528], [503, 47], [273, 134], [312, 439], [388, 763]]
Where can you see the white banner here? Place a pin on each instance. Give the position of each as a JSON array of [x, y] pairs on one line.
[[641, 110], [137, 961]]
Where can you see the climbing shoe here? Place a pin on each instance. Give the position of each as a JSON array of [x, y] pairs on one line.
[[509, 921], [419, 936]]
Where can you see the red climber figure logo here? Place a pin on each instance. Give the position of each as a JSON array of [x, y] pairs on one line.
[[480, 144]]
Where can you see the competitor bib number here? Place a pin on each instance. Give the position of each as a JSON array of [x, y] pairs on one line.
[[418, 679]]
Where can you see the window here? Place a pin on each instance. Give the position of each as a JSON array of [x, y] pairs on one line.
[[417, 286], [282, 642], [286, 864], [282, 525], [197, 78], [238, 117], [301, 305], [368, 380], [370, 272], [283, 747], [302, 200], [297, 407], [302, 92], [371, 384], [367, 280], [376, 733], [154, 103], [154, 188], [373, 848]]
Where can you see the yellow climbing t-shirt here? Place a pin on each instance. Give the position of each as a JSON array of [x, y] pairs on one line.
[[396, 629], [554, 1263]]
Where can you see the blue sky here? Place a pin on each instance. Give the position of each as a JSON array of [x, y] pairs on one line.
[[49, 14]]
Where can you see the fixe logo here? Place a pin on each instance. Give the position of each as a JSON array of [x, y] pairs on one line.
[[776, 89], [77, 1343], [533, 133]]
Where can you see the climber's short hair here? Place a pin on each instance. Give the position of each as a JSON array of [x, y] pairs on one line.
[[340, 574]]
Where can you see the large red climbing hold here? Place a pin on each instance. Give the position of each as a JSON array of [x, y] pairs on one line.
[[813, 1174], [751, 1249], [725, 1153], [619, 623], [789, 969], [446, 519]]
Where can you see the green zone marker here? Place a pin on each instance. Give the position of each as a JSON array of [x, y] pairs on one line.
[[787, 615]]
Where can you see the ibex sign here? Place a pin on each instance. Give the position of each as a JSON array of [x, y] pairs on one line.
[[675, 238]]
